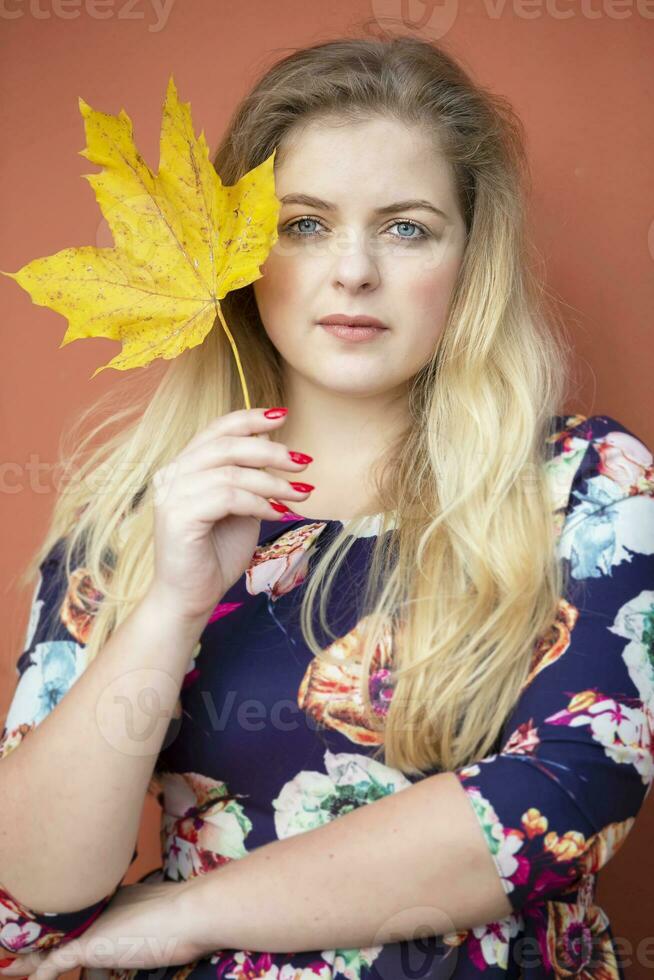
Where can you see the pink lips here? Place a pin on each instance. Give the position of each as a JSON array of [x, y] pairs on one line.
[[346, 332], [356, 320], [356, 327]]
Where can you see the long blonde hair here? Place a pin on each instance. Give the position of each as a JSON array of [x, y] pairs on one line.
[[469, 578]]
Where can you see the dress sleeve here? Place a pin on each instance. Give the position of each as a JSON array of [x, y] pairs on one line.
[[576, 761], [52, 659]]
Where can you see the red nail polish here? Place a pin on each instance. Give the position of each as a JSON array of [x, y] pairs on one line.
[[280, 507], [7, 962], [302, 487], [275, 413], [301, 457]]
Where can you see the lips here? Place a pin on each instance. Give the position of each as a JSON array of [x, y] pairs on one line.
[[350, 333], [357, 320]]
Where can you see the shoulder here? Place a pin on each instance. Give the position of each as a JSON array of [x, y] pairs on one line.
[[594, 461], [606, 522]]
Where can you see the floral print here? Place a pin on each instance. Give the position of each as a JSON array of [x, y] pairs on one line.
[[330, 691], [269, 741], [312, 799], [202, 826]]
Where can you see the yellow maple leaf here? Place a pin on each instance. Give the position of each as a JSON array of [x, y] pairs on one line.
[[182, 239]]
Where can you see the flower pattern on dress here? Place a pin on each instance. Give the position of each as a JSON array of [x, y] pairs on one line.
[[312, 799], [202, 825], [329, 690], [268, 741]]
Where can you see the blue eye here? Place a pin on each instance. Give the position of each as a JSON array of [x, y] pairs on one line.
[[289, 229], [409, 224], [297, 222]]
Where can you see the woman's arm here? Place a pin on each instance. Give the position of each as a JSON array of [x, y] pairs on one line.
[[78, 752], [412, 864]]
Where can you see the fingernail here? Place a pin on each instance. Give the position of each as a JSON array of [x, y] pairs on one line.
[[280, 507], [301, 458], [275, 413], [7, 962], [302, 487]]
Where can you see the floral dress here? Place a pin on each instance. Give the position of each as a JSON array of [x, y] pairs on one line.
[[268, 741]]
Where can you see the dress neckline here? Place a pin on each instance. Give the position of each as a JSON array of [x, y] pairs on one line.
[[366, 525], [330, 520]]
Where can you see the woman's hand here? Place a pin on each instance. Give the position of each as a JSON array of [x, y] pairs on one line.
[[143, 927], [208, 505]]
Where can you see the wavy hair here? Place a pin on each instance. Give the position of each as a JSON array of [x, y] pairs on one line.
[[469, 580]]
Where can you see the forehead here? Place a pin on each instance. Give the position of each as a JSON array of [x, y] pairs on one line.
[[362, 162]]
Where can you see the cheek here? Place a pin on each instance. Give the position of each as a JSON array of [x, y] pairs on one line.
[[430, 299], [283, 296], [428, 294], [280, 290], [431, 291]]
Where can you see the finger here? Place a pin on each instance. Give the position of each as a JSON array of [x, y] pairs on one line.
[[245, 422], [58, 961], [210, 484], [22, 965], [66, 957], [235, 450], [46, 971]]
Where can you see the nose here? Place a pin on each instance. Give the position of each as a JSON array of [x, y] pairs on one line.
[[356, 269]]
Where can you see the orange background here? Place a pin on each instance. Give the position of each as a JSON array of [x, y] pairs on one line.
[[580, 76]]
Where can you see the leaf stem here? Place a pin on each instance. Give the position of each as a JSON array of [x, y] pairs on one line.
[[238, 360]]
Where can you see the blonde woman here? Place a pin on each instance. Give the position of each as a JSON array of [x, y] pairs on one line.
[[397, 717]]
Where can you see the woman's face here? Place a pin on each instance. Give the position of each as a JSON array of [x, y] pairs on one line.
[[355, 251]]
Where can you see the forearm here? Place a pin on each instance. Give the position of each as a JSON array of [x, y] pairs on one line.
[[413, 863], [73, 790]]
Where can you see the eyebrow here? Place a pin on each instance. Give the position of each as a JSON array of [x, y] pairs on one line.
[[414, 204]]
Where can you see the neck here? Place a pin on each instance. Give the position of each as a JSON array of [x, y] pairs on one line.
[[346, 435]]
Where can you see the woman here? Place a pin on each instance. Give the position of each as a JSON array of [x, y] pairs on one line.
[[481, 634]]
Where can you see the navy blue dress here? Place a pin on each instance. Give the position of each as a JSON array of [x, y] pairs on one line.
[[268, 741]]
